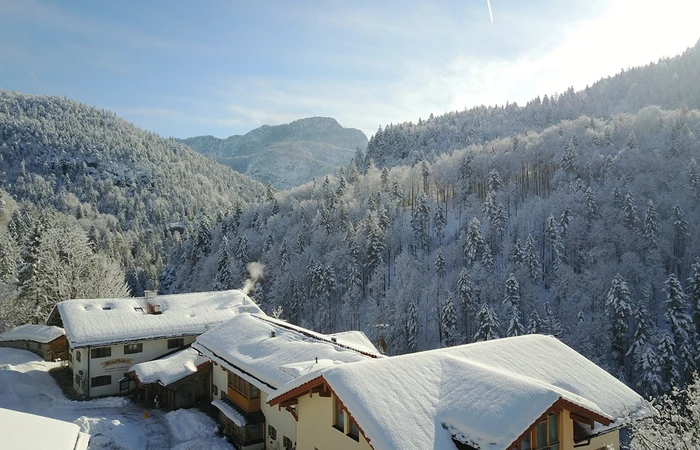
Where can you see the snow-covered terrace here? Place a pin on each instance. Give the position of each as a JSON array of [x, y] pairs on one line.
[[21, 430], [485, 394], [37, 333], [90, 322], [271, 352]]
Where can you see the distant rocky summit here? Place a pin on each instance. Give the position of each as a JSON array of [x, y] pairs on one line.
[[285, 155]]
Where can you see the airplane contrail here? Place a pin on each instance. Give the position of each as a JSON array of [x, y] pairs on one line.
[[488, 2]]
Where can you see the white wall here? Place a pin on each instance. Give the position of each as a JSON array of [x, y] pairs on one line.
[[118, 363], [282, 420]]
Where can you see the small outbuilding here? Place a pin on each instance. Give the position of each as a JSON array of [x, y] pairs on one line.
[[180, 380], [49, 342]]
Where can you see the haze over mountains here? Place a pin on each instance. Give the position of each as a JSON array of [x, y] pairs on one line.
[[285, 155]]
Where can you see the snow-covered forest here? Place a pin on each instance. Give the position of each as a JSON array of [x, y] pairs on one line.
[[585, 231], [84, 194]]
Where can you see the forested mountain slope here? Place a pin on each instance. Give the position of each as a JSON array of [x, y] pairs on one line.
[[130, 191], [586, 230], [670, 83], [286, 155]]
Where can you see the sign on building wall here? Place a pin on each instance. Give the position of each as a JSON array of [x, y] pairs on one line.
[[119, 365]]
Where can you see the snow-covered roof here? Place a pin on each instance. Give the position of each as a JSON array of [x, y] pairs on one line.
[[230, 412], [37, 333], [170, 369], [355, 339], [21, 430], [106, 321], [246, 346], [486, 394]]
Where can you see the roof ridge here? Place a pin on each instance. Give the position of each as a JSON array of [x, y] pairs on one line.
[[313, 334]]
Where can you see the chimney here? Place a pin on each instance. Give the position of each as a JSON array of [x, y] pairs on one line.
[[156, 309], [273, 334], [149, 294]]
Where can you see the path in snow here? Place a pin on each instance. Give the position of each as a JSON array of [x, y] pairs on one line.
[[113, 422]]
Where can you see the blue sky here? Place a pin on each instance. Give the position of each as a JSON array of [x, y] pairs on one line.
[[187, 68]]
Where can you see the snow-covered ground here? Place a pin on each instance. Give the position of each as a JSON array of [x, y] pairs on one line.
[[113, 422]]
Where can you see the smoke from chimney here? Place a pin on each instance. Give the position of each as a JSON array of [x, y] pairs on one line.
[[255, 272]]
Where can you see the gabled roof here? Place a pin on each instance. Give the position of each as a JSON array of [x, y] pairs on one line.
[[169, 369], [269, 352], [21, 430], [485, 394], [36, 333], [107, 321]]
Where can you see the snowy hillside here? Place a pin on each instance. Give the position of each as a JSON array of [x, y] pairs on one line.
[[286, 155]]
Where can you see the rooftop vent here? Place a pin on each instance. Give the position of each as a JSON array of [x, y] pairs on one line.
[[273, 333], [106, 308], [149, 294], [156, 309]]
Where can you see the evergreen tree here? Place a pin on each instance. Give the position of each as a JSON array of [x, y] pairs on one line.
[[474, 243], [681, 325], [531, 260], [534, 326], [619, 310], [440, 264], [630, 212], [439, 223], [412, 328], [551, 232], [512, 292], [374, 249], [202, 243], [494, 181], [680, 231], [551, 324], [651, 225], [565, 220], [419, 223], [568, 161], [515, 327], [468, 300], [694, 176], [449, 323], [487, 321], [668, 363], [694, 294], [224, 279], [591, 205], [631, 142]]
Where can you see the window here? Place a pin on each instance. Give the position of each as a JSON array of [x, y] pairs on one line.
[[133, 348], [544, 435], [241, 386], [77, 355], [271, 432], [338, 415], [176, 343], [354, 430], [102, 380], [287, 443], [101, 352], [254, 432]]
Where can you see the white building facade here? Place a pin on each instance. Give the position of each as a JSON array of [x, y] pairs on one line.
[[106, 337]]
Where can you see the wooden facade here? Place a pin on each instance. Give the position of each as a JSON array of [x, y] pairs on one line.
[[51, 351], [192, 390]]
